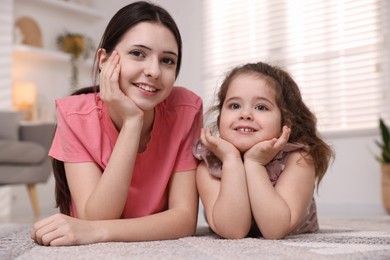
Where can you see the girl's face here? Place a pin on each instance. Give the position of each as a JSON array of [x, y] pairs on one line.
[[249, 113], [148, 53]]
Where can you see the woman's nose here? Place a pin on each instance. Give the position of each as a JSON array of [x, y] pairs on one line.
[[152, 69]]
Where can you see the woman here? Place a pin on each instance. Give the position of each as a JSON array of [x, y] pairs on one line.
[[122, 155]]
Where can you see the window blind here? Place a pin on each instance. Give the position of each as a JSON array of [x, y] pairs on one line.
[[335, 50]]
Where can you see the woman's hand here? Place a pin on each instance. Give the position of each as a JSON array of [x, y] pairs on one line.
[[62, 230], [263, 152], [218, 146], [110, 91]]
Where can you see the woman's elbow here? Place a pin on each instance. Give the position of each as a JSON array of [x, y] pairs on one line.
[[190, 227], [187, 227], [98, 215], [189, 231]]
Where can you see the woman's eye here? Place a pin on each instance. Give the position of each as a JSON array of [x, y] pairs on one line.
[[260, 107], [137, 53], [234, 106], [168, 61]]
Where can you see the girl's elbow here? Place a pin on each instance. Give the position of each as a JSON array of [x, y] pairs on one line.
[[229, 228], [236, 235], [274, 234], [273, 237], [232, 232]]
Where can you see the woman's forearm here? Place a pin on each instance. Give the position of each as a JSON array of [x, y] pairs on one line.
[[109, 197], [63, 230], [170, 224]]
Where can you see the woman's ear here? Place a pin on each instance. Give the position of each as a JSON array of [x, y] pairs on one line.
[[102, 57]]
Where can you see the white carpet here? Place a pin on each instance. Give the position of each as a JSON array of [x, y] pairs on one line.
[[342, 238]]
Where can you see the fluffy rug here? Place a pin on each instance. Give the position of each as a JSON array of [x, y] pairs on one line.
[[342, 238]]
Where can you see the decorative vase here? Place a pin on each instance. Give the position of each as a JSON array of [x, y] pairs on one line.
[[386, 186]]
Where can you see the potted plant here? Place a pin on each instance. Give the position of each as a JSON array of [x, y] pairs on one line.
[[76, 45], [384, 158]]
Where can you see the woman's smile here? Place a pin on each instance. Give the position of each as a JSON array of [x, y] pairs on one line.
[[146, 89]]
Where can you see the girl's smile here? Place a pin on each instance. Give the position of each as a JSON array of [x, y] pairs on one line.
[[245, 129]]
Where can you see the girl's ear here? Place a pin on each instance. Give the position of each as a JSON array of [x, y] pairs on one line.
[[288, 123], [102, 57]]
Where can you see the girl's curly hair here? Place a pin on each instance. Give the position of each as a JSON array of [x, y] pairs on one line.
[[294, 111]]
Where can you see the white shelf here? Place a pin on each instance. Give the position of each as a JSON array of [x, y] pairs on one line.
[[21, 52], [61, 5], [31, 52]]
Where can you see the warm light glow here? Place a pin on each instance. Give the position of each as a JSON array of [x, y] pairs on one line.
[[24, 99]]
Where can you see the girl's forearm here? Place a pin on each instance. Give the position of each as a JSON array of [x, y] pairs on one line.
[[231, 212], [272, 214]]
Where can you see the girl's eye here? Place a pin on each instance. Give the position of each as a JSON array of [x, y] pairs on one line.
[[260, 107], [168, 61], [234, 106], [137, 53]]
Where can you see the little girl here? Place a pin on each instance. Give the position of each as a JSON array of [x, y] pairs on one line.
[[259, 173]]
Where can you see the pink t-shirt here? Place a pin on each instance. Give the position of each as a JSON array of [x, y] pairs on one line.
[[85, 133]]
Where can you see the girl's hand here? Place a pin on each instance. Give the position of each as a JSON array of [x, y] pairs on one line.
[[263, 152], [62, 230], [218, 146], [110, 91]]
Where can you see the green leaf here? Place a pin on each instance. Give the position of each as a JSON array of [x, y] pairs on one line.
[[386, 155], [379, 144], [385, 134]]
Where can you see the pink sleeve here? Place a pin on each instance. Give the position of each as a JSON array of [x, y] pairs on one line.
[[186, 160], [66, 145]]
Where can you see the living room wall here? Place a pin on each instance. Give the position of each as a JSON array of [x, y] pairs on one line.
[[6, 53], [352, 184]]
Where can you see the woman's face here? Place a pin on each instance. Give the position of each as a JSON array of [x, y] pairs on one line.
[[249, 113], [148, 55]]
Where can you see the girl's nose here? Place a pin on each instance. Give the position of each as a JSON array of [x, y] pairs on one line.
[[152, 69], [246, 115]]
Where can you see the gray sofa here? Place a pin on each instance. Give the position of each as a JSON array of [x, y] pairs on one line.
[[23, 153]]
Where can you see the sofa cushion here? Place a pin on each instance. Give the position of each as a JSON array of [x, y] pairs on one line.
[[9, 129], [15, 152]]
